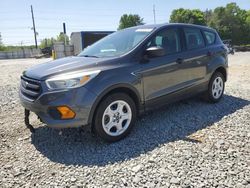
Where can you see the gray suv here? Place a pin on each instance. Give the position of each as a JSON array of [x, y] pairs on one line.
[[125, 74]]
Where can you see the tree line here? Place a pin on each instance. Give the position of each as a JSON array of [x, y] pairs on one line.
[[47, 42], [230, 21]]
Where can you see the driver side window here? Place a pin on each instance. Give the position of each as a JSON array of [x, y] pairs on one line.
[[168, 39]]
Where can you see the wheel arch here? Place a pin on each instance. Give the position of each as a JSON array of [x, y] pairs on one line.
[[119, 88], [222, 70]]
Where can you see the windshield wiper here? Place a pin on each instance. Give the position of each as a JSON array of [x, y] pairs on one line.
[[90, 56]]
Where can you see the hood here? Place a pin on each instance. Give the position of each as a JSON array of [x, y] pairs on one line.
[[64, 65]]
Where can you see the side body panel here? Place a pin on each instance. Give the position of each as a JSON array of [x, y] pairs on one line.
[[122, 76], [166, 81]]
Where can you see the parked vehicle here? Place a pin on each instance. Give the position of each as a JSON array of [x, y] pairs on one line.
[[229, 46], [47, 51], [125, 74]]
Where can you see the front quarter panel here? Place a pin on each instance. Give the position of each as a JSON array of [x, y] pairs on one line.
[[122, 75]]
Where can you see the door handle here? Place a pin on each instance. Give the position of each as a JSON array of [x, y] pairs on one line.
[[209, 53], [179, 61]]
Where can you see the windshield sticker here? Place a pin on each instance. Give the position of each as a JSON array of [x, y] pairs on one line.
[[144, 30], [107, 50]]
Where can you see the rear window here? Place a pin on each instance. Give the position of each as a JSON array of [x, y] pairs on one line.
[[210, 36], [194, 38]]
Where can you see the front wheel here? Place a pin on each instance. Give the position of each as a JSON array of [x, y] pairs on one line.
[[215, 88], [115, 117]]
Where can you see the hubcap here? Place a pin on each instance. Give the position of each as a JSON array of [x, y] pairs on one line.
[[217, 87], [116, 118]]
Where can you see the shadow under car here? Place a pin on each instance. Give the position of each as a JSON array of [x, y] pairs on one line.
[[171, 123]]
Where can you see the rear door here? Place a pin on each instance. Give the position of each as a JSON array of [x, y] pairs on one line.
[[195, 57]]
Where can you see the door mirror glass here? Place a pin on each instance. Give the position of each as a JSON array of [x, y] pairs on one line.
[[155, 51]]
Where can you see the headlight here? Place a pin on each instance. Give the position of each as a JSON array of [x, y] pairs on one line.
[[71, 80]]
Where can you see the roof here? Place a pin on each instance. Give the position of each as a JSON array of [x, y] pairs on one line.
[[97, 32], [158, 26]]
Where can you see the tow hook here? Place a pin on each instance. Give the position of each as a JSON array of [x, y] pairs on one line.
[[27, 121]]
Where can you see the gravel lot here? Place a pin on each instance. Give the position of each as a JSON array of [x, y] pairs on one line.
[[186, 144]]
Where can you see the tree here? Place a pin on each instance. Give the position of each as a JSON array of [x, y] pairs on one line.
[[248, 25], [47, 42], [231, 23], [181, 15], [61, 38], [2, 47], [248, 18], [208, 15], [1, 41], [130, 21]]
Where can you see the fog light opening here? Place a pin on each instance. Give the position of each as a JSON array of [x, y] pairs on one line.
[[66, 112]]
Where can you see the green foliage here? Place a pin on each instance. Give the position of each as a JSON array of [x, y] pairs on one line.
[[1, 41], [47, 42], [181, 15], [13, 48], [130, 21], [232, 23], [61, 38], [248, 18]]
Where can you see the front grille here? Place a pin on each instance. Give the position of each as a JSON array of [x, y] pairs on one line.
[[30, 88]]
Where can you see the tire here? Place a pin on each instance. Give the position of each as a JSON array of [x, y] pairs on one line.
[[215, 88], [115, 117]]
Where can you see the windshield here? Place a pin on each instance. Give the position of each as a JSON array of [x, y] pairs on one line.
[[117, 43]]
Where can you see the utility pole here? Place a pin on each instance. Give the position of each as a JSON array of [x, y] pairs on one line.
[[206, 15], [34, 26], [64, 33], [154, 14]]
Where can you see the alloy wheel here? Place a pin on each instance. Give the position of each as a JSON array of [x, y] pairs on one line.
[[116, 118], [217, 87]]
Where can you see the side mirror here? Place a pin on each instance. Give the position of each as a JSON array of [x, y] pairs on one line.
[[155, 51]]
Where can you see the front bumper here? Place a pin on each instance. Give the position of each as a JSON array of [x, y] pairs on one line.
[[80, 100]]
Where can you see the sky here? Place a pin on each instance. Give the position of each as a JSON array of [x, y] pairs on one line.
[[86, 15]]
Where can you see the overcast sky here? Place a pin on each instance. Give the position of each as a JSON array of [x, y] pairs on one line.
[[81, 15]]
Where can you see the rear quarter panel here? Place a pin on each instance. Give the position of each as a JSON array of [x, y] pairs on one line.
[[217, 59]]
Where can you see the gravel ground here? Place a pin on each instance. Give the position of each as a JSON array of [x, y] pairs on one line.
[[187, 144]]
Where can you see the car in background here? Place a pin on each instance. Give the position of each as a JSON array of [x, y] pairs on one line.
[[229, 46], [47, 51]]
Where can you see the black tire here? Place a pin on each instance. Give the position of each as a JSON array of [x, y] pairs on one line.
[[209, 96], [98, 124]]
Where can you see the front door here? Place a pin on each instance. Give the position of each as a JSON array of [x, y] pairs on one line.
[[161, 75]]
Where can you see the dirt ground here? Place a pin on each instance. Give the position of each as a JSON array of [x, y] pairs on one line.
[[187, 144]]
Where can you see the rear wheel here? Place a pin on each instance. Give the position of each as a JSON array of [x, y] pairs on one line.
[[115, 117], [215, 88]]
